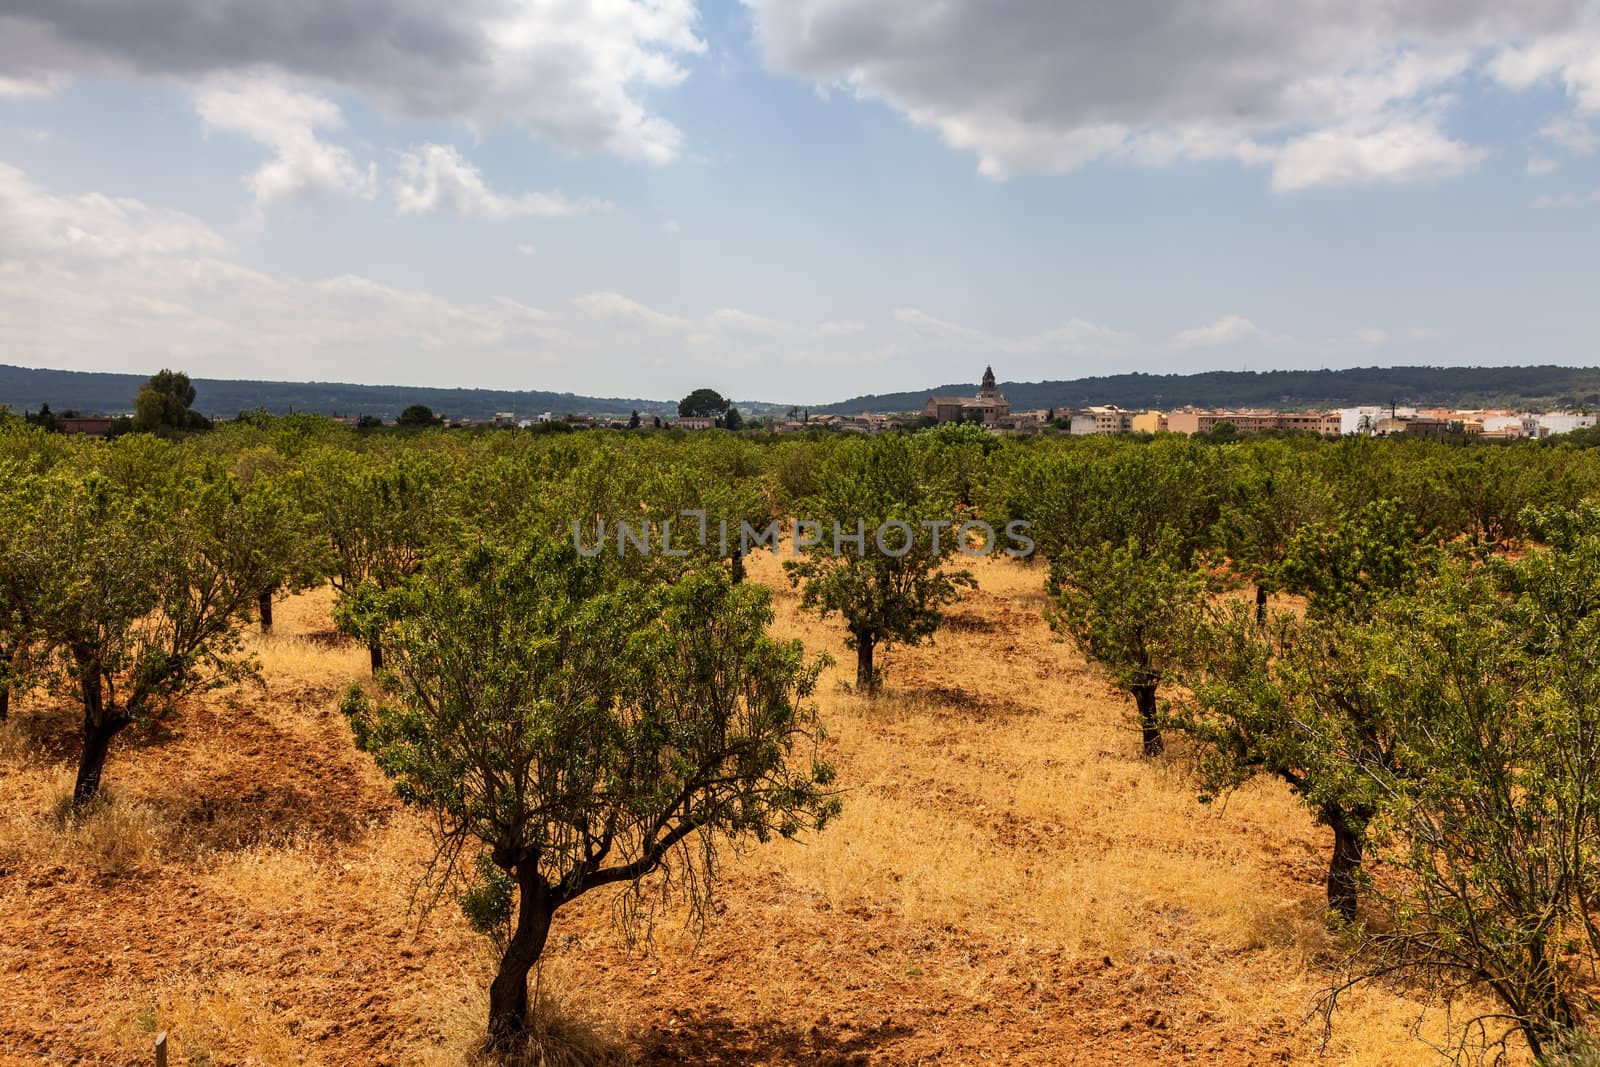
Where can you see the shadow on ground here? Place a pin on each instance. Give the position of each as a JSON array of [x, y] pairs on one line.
[[709, 1036]]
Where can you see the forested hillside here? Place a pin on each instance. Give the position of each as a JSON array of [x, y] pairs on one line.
[[1533, 388], [25, 388]]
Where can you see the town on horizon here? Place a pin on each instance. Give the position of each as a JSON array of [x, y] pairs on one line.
[[989, 409]]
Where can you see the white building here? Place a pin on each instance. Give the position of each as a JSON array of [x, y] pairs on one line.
[[1554, 422], [1365, 419]]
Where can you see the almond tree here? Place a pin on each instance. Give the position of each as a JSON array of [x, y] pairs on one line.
[[1486, 826], [889, 588], [568, 731], [381, 515], [140, 596], [17, 635], [1272, 493], [1302, 699], [1131, 609], [1124, 526]]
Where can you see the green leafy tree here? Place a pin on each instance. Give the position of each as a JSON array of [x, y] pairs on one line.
[[286, 542], [1124, 525], [19, 495], [1487, 826], [1293, 700], [566, 732], [702, 404], [732, 420], [890, 592], [1132, 610], [381, 514], [1270, 497], [1296, 698], [417, 417], [164, 405], [141, 596], [1343, 565], [634, 422], [46, 420]]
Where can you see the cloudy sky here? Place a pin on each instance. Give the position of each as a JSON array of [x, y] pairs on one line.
[[795, 200]]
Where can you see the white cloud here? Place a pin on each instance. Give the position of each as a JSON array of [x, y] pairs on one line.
[[528, 249], [77, 231], [1372, 335], [1573, 134], [434, 177], [287, 120], [576, 75], [926, 326], [1571, 56], [619, 310], [1085, 338], [1074, 337], [1569, 199], [1402, 150], [16, 88], [1539, 166], [1228, 330], [1352, 93]]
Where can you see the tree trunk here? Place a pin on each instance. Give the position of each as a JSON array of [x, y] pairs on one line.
[[264, 605], [8, 656], [866, 676], [736, 571], [1144, 698], [377, 656], [1261, 603], [99, 728], [1344, 869], [508, 993]]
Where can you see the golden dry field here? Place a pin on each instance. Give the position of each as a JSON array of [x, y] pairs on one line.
[[1010, 883]]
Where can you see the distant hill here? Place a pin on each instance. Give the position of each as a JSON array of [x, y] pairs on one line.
[[23, 388], [1468, 387]]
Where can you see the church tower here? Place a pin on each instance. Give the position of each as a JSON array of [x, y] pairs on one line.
[[988, 390]]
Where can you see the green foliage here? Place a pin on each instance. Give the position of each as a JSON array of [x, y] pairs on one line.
[[1488, 815], [417, 417], [1344, 566], [1272, 494], [380, 515], [139, 579], [1123, 527], [488, 900], [582, 731], [46, 420], [1131, 609], [163, 405], [883, 596], [702, 404]]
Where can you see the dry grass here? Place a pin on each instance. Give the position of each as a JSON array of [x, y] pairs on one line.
[[1009, 880], [210, 1019]]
